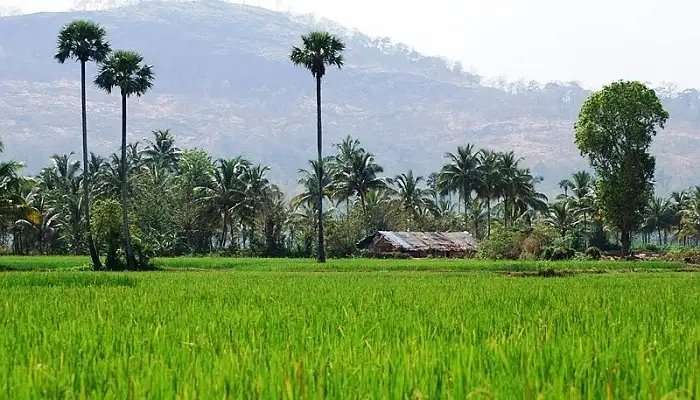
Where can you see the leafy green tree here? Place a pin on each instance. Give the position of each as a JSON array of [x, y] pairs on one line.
[[320, 49], [614, 130], [125, 70], [84, 41], [107, 215]]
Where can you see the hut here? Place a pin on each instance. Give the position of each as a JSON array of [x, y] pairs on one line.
[[420, 244]]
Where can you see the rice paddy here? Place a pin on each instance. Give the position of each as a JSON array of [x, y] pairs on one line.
[[289, 330]]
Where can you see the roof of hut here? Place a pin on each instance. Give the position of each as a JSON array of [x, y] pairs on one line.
[[426, 241]]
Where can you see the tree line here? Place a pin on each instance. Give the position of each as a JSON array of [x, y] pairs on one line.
[[155, 199]]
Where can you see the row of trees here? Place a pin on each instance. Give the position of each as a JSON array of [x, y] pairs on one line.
[[175, 202], [184, 202]]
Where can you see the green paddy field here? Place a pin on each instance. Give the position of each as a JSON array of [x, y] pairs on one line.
[[400, 329]]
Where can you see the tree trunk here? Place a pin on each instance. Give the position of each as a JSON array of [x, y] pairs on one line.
[[130, 260], [321, 248], [488, 217], [94, 256], [224, 231], [626, 242], [466, 209]]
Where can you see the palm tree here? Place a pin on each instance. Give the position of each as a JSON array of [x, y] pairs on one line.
[[310, 181], [161, 152], [562, 217], [657, 215], [224, 191], [461, 175], [362, 177], [581, 185], [490, 182], [84, 41], [409, 193], [125, 70], [341, 167], [320, 49]]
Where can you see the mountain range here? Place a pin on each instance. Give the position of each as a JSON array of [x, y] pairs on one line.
[[224, 83]]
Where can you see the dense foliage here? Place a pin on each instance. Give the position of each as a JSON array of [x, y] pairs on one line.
[[614, 130]]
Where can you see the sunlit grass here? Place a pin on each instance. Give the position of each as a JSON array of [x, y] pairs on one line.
[[273, 335], [20, 263]]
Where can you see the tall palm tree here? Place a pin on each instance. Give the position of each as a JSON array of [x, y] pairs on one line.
[[84, 41], [125, 70], [320, 49]]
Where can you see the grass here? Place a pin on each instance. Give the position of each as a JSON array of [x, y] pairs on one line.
[[273, 335], [47, 263]]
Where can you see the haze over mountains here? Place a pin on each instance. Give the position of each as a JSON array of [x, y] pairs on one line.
[[224, 83]]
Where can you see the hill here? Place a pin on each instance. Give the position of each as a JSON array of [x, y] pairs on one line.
[[224, 84]]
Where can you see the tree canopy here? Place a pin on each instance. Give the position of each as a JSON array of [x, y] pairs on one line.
[[615, 129]]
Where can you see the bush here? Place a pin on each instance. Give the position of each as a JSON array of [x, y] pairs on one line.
[[557, 253], [593, 253], [690, 256], [503, 244], [547, 253], [538, 239], [562, 253]]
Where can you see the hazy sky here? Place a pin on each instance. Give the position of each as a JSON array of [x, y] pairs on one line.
[[590, 41]]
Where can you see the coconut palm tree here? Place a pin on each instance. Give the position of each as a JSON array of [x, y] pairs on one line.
[[310, 181], [341, 166], [658, 212], [84, 41], [581, 185], [125, 70], [562, 217], [490, 182], [161, 152], [461, 175], [320, 49], [224, 191], [409, 193], [362, 177]]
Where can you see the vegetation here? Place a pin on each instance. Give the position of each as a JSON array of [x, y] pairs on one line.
[[307, 335], [176, 202], [615, 130], [84, 41], [320, 49]]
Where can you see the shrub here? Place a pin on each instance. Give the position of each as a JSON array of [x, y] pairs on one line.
[[504, 244], [593, 253], [562, 253], [539, 238], [547, 253], [556, 253], [690, 256]]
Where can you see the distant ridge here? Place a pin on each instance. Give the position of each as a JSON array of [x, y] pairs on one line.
[[224, 83]]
